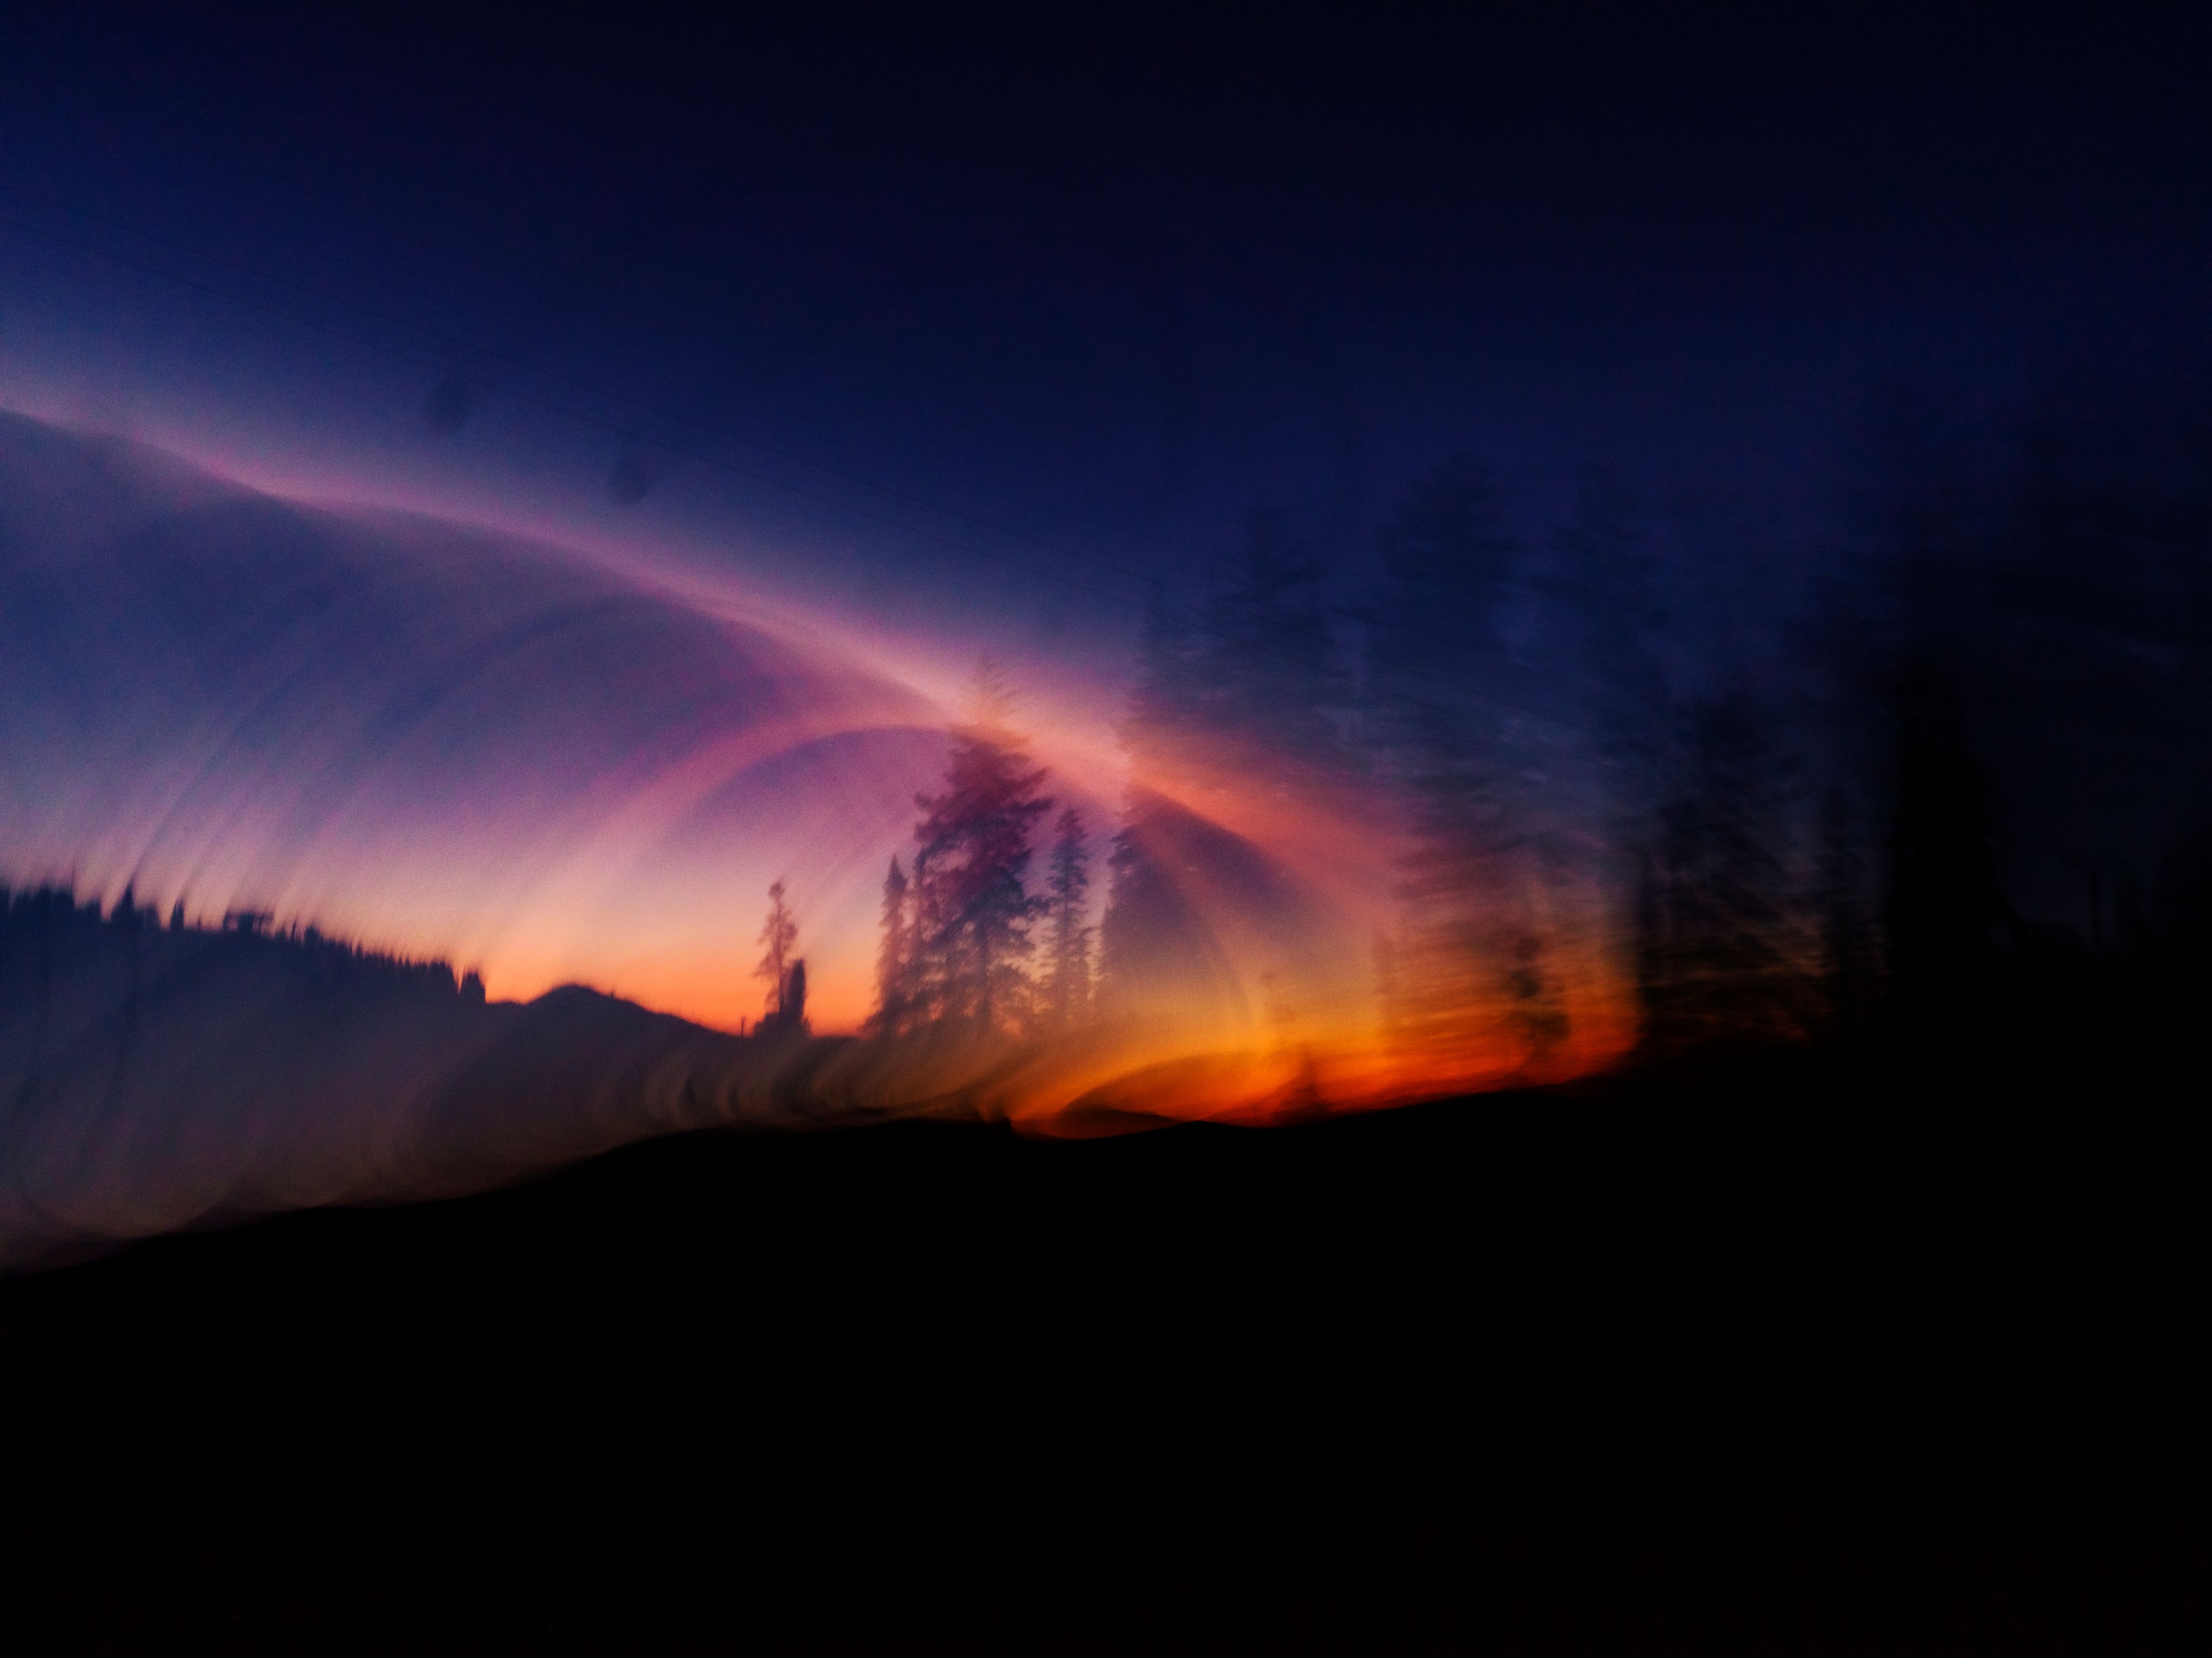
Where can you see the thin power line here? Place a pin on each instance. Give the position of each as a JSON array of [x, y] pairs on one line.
[[722, 462]]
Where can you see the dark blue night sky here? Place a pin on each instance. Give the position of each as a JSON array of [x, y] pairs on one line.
[[1112, 281], [1443, 499]]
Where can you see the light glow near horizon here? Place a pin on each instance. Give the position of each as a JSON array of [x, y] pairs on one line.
[[607, 810]]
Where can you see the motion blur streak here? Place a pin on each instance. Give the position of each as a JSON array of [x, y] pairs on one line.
[[428, 738], [244, 727], [1539, 819]]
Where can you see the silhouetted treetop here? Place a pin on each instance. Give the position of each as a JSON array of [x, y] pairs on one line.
[[972, 907]]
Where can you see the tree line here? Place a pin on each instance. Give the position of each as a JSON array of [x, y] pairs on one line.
[[1826, 825]]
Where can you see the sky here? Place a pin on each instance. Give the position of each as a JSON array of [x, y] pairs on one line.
[[1111, 280], [895, 339]]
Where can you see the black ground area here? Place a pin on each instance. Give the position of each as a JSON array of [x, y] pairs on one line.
[[1783, 1366]]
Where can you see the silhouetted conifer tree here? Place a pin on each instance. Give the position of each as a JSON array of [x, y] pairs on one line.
[[972, 908], [895, 961], [1067, 944], [778, 934], [791, 1017]]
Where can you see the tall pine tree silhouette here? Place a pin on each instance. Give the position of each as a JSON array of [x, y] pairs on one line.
[[895, 998], [778, 934], [972, 907], [1067, 945]]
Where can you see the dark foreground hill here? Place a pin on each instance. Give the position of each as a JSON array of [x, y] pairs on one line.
[[1756, 1369], [157, 1078]]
